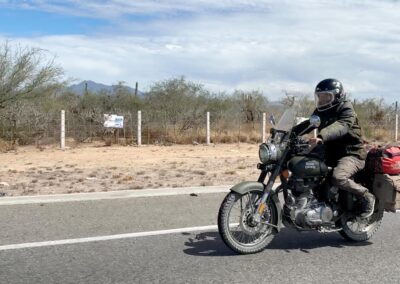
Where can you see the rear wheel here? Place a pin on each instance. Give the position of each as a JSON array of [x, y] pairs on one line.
[[236, 227], [360, 229]]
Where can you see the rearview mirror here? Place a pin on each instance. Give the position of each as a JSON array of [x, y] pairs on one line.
[[315, 121], [272, 120]]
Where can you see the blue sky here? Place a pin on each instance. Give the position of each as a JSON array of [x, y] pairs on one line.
[[271, 46], [33, 23]]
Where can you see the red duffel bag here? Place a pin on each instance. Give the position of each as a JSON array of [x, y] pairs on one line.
[[384, 160]]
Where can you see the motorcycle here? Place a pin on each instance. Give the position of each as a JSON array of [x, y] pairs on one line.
[[251, 215]]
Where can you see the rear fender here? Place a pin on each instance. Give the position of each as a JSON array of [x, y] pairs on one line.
[[247, 186]]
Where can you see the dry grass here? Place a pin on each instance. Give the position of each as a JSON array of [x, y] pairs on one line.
[[127, 178], [248, 133], [6, 146]]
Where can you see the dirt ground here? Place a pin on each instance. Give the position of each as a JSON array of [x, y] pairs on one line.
[[94, 168]]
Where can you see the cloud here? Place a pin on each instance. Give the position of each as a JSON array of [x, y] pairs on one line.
[[265, 45], [116, 8]]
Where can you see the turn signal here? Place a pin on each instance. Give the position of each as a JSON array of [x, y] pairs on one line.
[[285, 173], [262, 208]]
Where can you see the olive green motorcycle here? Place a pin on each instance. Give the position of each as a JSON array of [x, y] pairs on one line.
[[251, 215]]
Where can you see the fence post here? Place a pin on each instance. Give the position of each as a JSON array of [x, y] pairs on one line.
[[139, 128], [62, 129], [208, 128], [264, 122], [396, 131], [239, 124]]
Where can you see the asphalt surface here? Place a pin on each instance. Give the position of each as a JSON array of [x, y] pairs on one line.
[[185, 257]]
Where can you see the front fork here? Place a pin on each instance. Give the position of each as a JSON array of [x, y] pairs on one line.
[[268, 188]]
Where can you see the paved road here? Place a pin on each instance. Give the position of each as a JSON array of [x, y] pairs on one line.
[[185, 257]]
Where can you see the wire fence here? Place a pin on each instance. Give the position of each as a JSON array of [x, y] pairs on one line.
[[33, 129], [46, 129]]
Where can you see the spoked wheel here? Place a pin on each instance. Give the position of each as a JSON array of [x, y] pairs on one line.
[[237, 227], [360, 229]]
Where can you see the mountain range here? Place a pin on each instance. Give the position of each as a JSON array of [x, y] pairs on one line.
[[95, 87]]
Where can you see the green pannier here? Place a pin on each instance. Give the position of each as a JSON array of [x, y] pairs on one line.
[[387, 189]]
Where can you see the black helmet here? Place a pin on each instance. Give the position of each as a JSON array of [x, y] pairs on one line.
[[328, 93]]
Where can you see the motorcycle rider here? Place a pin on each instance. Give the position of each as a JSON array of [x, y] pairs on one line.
[[341, 135]]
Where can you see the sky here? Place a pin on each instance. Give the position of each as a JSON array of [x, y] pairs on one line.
[[270, 46]]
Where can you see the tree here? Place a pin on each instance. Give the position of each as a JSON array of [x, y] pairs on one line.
[[25, 73], [302, 102], [177, 103], [124, 99], [374, 116], [251, 104]]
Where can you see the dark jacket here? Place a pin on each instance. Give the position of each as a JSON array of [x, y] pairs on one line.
[[340, 132]]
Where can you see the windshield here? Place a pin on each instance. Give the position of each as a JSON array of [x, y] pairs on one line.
[[287, 121]]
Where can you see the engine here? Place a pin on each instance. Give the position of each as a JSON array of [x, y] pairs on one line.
[[307, 212], [317, 214]]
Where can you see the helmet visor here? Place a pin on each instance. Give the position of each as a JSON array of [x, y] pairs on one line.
[[324, 98]]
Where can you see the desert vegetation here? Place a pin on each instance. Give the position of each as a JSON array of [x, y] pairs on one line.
[[32, 94]]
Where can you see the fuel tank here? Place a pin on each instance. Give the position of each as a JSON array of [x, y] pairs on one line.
[[303, 166]]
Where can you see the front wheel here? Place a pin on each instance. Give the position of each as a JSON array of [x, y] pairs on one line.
[[236, 227], [358, 229]]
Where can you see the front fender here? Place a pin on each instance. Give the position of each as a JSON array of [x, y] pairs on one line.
[[247, 186]]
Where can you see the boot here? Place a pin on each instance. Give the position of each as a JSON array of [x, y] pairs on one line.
[[367, 205]]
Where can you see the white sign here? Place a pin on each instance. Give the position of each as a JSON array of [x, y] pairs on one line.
[[113, 121]]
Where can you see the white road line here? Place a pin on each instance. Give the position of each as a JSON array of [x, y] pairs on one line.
[[105, 238]]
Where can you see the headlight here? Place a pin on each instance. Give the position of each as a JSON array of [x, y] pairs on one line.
[[268, 153]]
